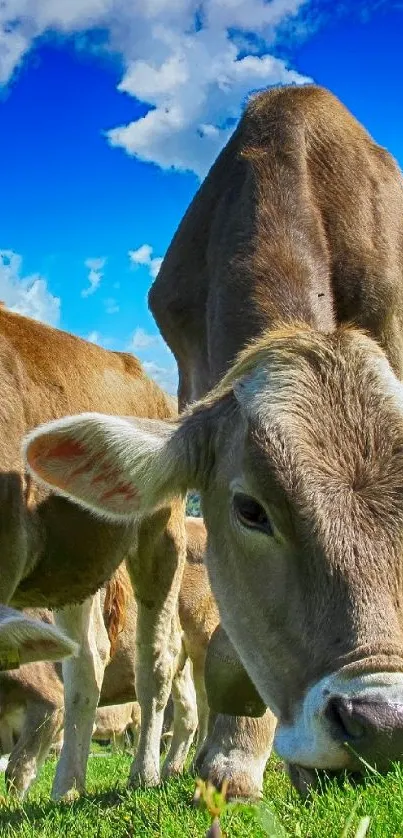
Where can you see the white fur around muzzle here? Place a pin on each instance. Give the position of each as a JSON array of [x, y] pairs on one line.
[[308, 741]]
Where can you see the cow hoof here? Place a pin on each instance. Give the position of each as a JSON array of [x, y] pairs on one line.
[[19, 777], [139, 782], [15, 788], [143, 778], [238, 781], [238, 788], [69, 796], [171, 770]]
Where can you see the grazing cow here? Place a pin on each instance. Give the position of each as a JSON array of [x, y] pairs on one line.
[[31, 698], [283, 292], [113, 722], [56, 554], [23, 640]]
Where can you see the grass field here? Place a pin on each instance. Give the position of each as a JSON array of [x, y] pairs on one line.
[[109, 811]]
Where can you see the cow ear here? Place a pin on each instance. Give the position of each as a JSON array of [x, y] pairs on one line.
[[122, 468], [24, 640], [119, 468]]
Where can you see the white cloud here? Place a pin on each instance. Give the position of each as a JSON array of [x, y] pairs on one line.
[[155, 265], [143, 256], [94, 276], [94, 337], [166, 377], [26, 295], [143, 340], [111, 306], [195, 84], [192, 62], [156, 357], [101, 340]]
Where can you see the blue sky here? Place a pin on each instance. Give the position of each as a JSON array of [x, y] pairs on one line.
[[111, 112]]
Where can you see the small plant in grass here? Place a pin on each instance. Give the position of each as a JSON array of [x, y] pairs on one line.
[[215, 803], [218, 808], [363, 825]]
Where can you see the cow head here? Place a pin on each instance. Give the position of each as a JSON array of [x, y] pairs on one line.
[[298, 455], [25, 640]]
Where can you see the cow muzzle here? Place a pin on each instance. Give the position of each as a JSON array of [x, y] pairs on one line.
[[371, 729], [344, 723]]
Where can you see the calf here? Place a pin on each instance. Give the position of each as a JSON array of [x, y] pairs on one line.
[[113, 722], [24, 639], [31, 699], [56, 554], [283, 292]]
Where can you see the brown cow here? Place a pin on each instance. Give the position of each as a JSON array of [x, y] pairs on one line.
[[56, 554], [31, 698], [292, 251], [24, 640], [113, 722]]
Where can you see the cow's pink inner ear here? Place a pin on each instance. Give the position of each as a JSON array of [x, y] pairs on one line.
[[66, 449], [45, 453], [71, 466]]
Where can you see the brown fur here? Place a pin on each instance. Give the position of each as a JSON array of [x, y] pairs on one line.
[[54, 552], [198, 611], [118, 592], [299, 219], [37, 686], [113, 721], [288, 265]]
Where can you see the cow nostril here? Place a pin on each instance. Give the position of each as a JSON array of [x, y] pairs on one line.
[[345, 726]]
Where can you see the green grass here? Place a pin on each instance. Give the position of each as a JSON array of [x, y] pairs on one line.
[[109, 811]]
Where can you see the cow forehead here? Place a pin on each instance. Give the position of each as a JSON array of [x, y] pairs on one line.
[[328, 436], [342, 401], [327, 528], [329, 448], [320, 416]]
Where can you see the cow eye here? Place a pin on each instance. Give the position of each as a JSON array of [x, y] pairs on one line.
[[251, 514]]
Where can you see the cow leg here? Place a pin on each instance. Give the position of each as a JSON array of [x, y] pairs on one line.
[[236, 751], [117, 742], [135, 725], [185, 717], [120, 741], [203, 710], [40, 729], [156, 569], [82, 678], [6, 736]]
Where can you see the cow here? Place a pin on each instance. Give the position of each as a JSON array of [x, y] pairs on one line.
[[113, 722], [54, 554], [25, 640], [281, 297], [31, 698]]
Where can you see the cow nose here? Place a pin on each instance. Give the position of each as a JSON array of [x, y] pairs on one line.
[[345, 719], [373, 728]]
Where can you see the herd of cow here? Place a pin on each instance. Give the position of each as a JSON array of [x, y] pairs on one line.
[[281, 297]]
